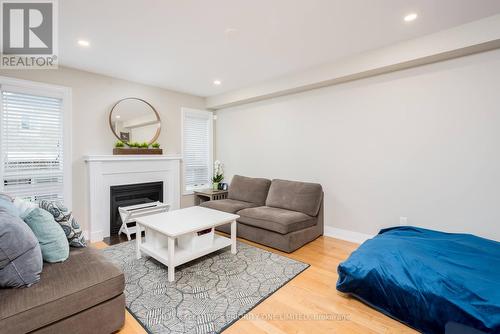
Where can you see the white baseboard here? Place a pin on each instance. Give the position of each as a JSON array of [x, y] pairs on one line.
[[97, 236], [346, 235]]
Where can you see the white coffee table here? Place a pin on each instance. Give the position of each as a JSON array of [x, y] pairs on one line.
[[163, 229]]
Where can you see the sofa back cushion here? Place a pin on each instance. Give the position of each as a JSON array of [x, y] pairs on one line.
[[249, 189], [297, 196], [20, 255]]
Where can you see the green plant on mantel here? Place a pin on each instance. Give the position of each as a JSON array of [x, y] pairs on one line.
[[144, 145], [134, 144], [155, 145], [119, 144]]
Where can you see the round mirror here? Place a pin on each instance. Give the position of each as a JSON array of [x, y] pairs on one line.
[[135, 120]]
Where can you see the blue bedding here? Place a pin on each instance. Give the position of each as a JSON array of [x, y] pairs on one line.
[[426, 278]]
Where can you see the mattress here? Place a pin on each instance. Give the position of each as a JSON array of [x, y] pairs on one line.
[[427, 278]]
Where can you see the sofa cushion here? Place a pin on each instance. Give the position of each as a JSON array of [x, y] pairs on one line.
[[20, 255], [275, 219], [297, 196], [86, 279], [228, 205], [65, 218], [50, 235], [249, 189]]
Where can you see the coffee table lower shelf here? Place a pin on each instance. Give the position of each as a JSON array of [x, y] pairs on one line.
[[182, 255]]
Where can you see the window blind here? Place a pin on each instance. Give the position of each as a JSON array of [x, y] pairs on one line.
[[197, 149], [32, 146]]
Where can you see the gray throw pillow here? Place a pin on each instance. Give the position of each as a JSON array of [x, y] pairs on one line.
[[65, 218], [20, 254]]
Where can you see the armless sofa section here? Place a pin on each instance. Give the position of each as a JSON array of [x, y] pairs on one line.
[[81, 295], [280, 214]]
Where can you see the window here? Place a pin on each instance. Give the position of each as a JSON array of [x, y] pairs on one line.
[[34, 152], [197, 148]]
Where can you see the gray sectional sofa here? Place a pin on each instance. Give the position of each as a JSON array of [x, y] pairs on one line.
[[280, 214]]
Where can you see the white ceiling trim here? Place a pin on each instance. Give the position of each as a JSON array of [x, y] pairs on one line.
[[474, 37]]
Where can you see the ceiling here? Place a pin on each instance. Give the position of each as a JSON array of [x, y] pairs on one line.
[[185, 45]]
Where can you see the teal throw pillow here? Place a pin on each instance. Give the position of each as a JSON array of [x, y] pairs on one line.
[[50, 235]]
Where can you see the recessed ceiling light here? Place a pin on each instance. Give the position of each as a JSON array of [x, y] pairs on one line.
[[83, 42], [231, 32], [217, 82], [411, 17]]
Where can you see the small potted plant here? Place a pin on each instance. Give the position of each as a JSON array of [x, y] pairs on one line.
[[218, 175], [119, 144], [144, 145], [155, 145]]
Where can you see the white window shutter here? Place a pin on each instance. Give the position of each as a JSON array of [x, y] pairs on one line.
[[32, 145], [197, 149]]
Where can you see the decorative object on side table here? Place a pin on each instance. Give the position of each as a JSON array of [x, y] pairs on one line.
[[218, 175]]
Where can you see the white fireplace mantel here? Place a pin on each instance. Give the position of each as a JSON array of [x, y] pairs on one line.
[[105, 171]]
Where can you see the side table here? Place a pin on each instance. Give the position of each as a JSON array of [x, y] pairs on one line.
[[201, 196]]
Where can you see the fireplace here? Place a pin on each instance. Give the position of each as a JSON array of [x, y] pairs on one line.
[[106, 171], [131, 194]]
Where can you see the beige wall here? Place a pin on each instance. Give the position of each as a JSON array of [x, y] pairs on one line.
[[93, 96], [421, 143]]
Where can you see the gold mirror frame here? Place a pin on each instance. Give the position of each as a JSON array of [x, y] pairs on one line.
[[157, 134]]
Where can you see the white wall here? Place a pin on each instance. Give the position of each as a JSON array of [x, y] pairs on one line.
[[422, 143], [93, 96], [473, 37]]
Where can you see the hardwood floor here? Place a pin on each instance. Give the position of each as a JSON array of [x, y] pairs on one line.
[[309, 303]]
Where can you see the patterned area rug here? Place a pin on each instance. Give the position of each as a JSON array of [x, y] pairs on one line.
[[208, 294]]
